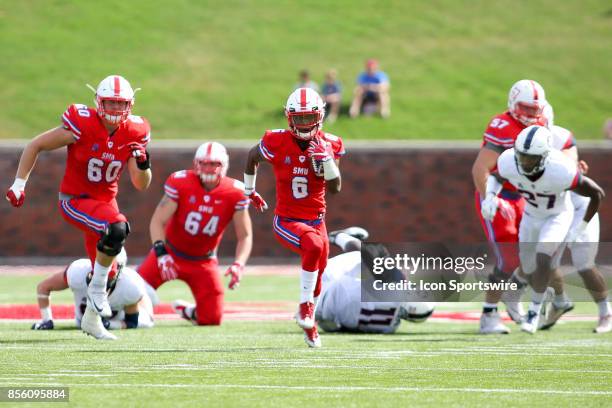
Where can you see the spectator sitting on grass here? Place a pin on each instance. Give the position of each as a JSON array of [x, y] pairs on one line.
[[306, 82], [332, 95], [372, 89]]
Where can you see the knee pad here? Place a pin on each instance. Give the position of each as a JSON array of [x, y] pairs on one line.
[[113, 238]]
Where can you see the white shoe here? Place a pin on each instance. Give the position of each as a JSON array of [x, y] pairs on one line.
[[98, 300], [554, 314], [490, 323], [180, 308], [91, 323], [530, 325], [604, 325]]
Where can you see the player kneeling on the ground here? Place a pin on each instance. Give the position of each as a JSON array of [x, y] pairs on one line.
[[131, 306], [186, 230], [340, 307], [543, 176]]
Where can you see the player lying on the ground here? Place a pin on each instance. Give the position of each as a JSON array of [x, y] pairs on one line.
[[186, 230], [305, 162], [131, 306], [543, 176], [340, 307]]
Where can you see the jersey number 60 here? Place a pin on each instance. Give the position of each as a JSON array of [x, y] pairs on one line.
[[95, 168]]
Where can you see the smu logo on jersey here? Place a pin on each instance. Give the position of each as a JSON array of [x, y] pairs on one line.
[[108, 156], [205, 209], [300, 171]]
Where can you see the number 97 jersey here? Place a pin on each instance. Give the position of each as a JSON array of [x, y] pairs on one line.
[[197, 226]]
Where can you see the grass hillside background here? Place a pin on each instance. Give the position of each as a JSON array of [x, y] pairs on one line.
[[223, 69]]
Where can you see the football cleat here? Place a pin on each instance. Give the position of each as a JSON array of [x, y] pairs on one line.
[[91, 324], [355, 232], [180, 308], [43, 325], [490, 323], [554, 314], [97, 299], [312, 338], [604, 325], [514, 307], [305, 315], [530, 325]]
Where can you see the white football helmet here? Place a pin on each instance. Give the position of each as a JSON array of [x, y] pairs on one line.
[[211, 162], [305, 111], [531, 149], [526, 101], [416, 312], [114, 88]]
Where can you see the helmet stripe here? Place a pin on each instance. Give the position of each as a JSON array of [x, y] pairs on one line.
[[535, 91], [303, 97], [529, 138], [117, 86], [209, 149]]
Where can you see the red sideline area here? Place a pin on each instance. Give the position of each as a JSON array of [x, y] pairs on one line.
[[241, 311]]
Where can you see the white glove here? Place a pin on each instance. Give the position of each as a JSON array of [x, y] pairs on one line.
[[488, 207]]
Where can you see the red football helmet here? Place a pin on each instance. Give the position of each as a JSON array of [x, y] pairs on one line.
[[305, 111]]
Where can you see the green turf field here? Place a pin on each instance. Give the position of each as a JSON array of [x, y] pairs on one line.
[[223, 69], [264, 364]]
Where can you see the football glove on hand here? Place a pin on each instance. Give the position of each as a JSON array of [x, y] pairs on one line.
[[167, 267], [43, 325], [16, 194], [320, 150], [492, 204], [257, 200], [235, 271], [141, 155]]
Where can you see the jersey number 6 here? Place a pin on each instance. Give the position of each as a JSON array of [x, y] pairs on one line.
[[299, 186]]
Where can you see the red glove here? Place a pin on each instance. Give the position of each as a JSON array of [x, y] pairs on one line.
[[167, 267], [258, 202], [140, 154], [235, 270], [16, 194], [320, 150]]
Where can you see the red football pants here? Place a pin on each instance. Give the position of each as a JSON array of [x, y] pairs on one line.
[[203, 279], [91, 216], [308, 239], [503, 234]]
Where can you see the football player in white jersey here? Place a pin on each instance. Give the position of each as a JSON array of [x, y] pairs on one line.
[[340, 307], [127, 295], [543, 176], [584, 249]]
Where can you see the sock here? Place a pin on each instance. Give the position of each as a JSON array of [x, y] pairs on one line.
[[604, 308], [536, 302], [342, 239], [560, 300], [308, 281], [489, 307], [100, 275], [46, 314], [316, 301]]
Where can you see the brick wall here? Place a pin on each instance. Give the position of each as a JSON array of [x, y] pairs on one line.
[[403, 194]]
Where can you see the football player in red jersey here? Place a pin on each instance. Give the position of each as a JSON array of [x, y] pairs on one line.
[[187, 227], [305, 164], [101, 142], [526, 102]]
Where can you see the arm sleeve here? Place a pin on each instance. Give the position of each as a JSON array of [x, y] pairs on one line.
[[171, 188], [71, 121], [268, 145], [241, 201]]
